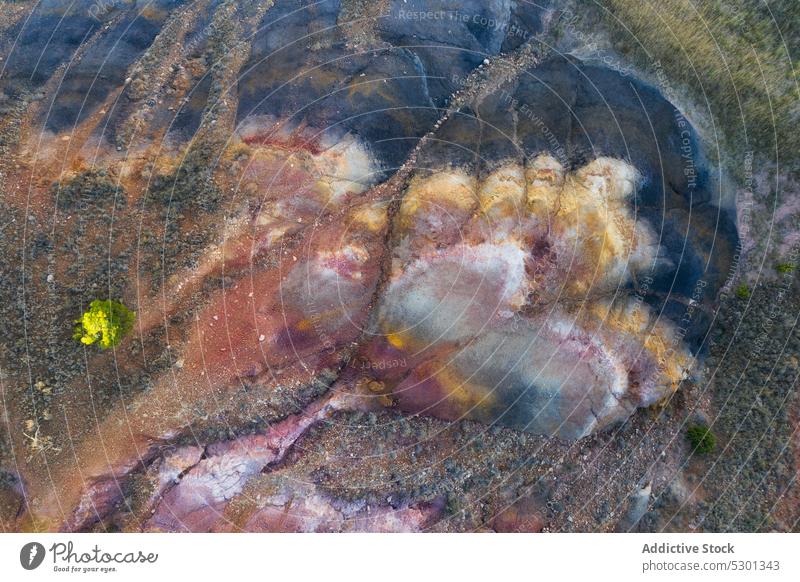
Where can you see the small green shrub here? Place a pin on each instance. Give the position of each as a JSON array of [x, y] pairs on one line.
[[784, 268], [701, 439], [106, 322], [743, 291], [89, 187]]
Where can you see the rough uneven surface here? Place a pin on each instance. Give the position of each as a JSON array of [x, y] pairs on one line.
[[396, 266]]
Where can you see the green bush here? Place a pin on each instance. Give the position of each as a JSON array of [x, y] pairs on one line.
[[784, 268], [701, 439], [743, 291], [106, 323]]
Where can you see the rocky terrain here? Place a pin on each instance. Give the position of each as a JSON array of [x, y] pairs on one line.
[[396, 266]]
